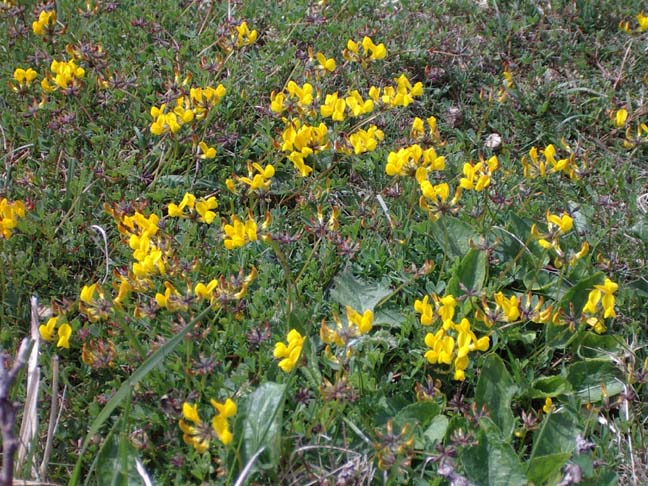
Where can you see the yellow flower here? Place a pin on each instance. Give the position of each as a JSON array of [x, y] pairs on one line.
[[204, 209], [245, 36], [10, 212], [366, 140], [277, 102], [326, 64], [46, 21], [64, 333], [643, 21], [289, 354], [363, 322], [424, 308], [177, 211], [24, 78], [195, 433], [206, 152], [603, 294], [237, 234], [620, 118], [46, 331], [333, 107], [548, 405], [219, 422]]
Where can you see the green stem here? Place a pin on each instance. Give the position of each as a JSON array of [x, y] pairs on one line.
[[290, 283]]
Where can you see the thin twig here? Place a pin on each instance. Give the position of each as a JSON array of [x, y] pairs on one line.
[[52, 418], [8, 410]]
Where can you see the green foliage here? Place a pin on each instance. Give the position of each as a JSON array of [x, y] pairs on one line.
[[314, 307]]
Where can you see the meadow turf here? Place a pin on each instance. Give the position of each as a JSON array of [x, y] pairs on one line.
[[335, 242]]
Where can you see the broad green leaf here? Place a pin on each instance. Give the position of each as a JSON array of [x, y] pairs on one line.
[[592, 345], [492, 462], [553, 445], [436, 430], [588, 378], [549, 386], [495, 390], [453, 235], [470, 272], [421, 412], [546, 469], [640, 230], [261, 425], [361, 295]]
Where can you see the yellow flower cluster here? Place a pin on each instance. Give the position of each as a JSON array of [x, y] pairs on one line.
[[45, 23], [295, 97], [201, 207], [237, 234], [505, 310], [534, 166], [258, 179], [477, 176], [24, 78], [187, 108], [301, 141], [222, 291], [444, 348], [366, 140], [642, 23], [356, 325], [171, 299], [403, 93], [414, 161], [602, 296], [289, 353], [245, 36], [370, 51], [198, 434], [9, 214], [149, 257], [63, 333], [435, 199], [419, 133], [66, 76], [335, 107]]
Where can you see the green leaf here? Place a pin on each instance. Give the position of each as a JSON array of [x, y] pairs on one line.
[[470, 272], [546, 469], [360, 295], [493, 461], [495, 390], [261, 425], [586, 378], [549, 386], [436, 430], [453, 235], [421, 412], [640, 230], [592, 345], [553, 445]]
